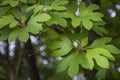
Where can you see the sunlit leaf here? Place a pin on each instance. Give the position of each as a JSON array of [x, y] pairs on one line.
[[72, 63], [112, 49], [101, 41], [100, 55]]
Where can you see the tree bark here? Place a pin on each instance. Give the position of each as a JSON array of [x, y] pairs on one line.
[[30, 58]]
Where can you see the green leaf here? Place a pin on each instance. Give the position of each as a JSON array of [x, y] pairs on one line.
[[62, 14], [34, 25], [64, 64], [3, 10], [56, 19], [34, 28], [50, 36], [12, 3], [17, 13], [90, 61], [42, 17], [4, 34], [19, 33], [84, 42], [100, 55], [72, 63], [87, 16], [14, 34], [87, 24], [31, 8], [93, 7], [111, 48], [59, 4], [75, 22], [100, 42], [61, 47], [73, 67], [101, 51], [102, 61], [9, 19], [99, 29], [84, 61], [38, 8], [58, 8], [24, 1], [101, 74], [24, 36]]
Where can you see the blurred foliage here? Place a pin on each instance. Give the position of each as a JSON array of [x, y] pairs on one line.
[[59, 32]]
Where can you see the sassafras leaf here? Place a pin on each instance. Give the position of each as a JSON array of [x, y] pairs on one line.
[[62, 46], [9, 19], [99, 54]]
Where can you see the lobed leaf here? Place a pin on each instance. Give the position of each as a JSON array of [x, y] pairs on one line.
[[72, 63], [87, 24], [62, 46], [64, 64], [102, 61], [75, 22], [9, 19], [12, 3], [86, 16], [84, 42], [41, 17], [3, 10], [111, 48], [100, 42], [19, 33], [56, 19], [59, 4], [73, 67], [99, 54], [4, 34], [99, 29], [100, 75], [38, 9]]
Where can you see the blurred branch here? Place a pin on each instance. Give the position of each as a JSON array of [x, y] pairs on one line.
[[19, 58], [8, 67], [7, 50]]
